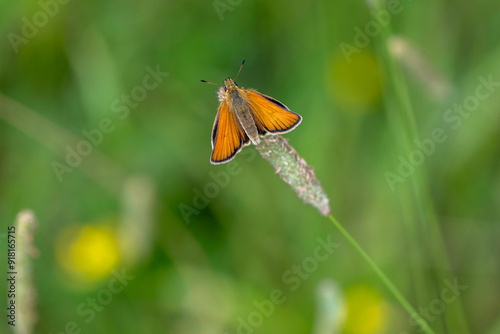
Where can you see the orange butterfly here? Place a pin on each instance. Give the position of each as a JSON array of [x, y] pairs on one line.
[[243, 116]]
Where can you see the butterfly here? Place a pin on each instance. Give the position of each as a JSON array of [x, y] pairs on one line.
[[244, 116]]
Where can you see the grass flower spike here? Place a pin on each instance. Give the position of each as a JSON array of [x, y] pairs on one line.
[[294, 171]]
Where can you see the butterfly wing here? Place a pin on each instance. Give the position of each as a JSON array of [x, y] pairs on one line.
[[228, 137], [270, 115]]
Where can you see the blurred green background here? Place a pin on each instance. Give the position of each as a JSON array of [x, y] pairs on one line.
[[130, 203]]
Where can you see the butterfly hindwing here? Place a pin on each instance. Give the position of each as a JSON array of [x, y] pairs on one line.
[[270, 115], [228, 137]]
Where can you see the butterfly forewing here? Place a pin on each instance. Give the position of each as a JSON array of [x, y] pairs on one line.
[[270, 115], [228, 136]]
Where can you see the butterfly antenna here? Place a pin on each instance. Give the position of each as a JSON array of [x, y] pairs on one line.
[[240, 69], [208, 82]]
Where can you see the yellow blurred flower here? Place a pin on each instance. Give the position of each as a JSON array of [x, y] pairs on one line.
[[87, 253], [356, 85], [367, 312]]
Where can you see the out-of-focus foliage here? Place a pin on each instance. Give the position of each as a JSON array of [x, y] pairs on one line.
[[105, 134]]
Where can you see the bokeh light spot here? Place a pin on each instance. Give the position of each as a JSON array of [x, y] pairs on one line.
[[88, 253], [366, 311], [356, 85]]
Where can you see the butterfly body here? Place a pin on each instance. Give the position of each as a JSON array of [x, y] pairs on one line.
[[244, 116], [239, 104]]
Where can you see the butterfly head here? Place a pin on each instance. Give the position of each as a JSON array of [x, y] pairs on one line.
[[230, 85]]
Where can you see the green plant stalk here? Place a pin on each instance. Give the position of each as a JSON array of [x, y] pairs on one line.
[[301, 178], [387, 282], [416, 195], [418, 192]]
